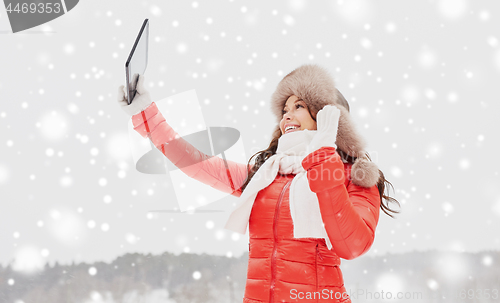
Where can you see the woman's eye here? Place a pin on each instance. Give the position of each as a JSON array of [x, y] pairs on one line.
[[299, 105], [283, 112]]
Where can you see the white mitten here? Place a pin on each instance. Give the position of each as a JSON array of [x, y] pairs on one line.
[[327, 121], [141, 100]]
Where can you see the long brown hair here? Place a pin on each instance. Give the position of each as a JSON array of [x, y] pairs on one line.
[[263, 155]]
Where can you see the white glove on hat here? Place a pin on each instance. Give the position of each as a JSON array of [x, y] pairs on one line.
[[140, 102], [327, 121]]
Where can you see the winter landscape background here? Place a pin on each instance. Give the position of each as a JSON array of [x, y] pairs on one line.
[[421, 78], [189, 278]]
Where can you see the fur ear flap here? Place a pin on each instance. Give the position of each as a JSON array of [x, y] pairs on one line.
[[364, 172], [348, 138]]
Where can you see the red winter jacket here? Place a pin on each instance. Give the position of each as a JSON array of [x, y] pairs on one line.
[[282, 268]]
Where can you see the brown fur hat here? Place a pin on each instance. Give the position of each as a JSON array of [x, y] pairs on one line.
[[316, 87]]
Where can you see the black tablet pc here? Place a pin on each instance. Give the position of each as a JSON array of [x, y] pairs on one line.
[[137, 60]]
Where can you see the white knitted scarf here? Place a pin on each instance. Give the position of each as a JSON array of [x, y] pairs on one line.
[[304, 206]]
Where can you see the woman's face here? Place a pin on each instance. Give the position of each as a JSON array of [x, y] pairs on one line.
[[296, 113]]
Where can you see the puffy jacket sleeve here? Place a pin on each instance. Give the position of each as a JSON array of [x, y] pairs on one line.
[[226, 176], [350, 212]]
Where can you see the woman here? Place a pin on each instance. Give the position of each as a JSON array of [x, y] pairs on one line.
[[312, 197]]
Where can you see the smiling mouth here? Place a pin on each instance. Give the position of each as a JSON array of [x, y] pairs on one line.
[[289, 130]]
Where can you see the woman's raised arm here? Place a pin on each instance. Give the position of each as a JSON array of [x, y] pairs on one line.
[[227, 176]]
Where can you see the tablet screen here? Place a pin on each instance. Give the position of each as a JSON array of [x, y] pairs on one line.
[[137, 60]]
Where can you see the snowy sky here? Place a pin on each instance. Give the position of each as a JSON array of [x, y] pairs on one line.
[[421, 78]]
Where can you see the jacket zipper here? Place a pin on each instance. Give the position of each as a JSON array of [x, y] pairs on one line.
[[275, 231], [317, 250], [316, 265]]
